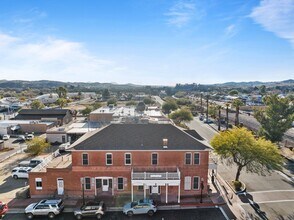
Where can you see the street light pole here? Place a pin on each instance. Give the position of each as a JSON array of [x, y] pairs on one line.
[[83, 189], [201, 189]]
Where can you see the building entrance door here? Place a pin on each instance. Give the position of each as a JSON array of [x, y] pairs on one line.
[[105, 185], [155, 190], [60, 186]]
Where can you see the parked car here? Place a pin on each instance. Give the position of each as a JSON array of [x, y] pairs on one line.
[[3, 209], [143, 206], [21, 138], [5, 137], [48, 207], [91, 209], [201, 117], [35, 162], [24, 163], [20, 172], [208, 121], [30, 137], [63, 147]]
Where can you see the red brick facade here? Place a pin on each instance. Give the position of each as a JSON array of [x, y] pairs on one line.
[[167, 160]]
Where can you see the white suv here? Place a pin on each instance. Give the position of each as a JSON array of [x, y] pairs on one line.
[[21, 172]]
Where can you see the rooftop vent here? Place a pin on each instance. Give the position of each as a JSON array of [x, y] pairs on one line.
[[164, 143]]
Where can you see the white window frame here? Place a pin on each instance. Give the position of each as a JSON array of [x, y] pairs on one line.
[[123, 183], [106, 159], [198, 187], [187, 183], [39, 180], [194, 158], [190, 158], [87, 159], [157, 161], [126, 159]]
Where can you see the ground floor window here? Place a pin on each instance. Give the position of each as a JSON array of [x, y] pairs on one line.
[[140, 188], [196, 182], [120, 183], [39, 185], [87, 183]]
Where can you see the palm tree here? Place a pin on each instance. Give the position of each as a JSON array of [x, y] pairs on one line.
[[237, 103]]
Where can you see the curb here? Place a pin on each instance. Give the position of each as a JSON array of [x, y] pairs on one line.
[[117, 209]]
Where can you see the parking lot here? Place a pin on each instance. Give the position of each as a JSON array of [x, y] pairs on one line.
[[8, 185]]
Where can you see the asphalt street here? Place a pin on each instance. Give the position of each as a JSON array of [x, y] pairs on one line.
[[187, 214], [272, 191]]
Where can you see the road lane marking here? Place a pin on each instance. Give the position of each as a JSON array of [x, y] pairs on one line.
[[270, 191], [273, 201]]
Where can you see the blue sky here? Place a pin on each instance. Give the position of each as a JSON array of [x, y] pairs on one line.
[[154, 42]]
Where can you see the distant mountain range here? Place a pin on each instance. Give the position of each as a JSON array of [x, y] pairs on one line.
[[47, 84], [256, 83]]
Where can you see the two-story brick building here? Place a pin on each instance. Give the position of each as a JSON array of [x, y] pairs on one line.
[[136, 159]]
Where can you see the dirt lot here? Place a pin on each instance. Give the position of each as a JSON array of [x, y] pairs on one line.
[[8, 185]]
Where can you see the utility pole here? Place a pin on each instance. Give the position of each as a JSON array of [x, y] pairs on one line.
[[201, 96], [207, 108]]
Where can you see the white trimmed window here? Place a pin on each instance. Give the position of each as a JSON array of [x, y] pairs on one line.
[[187, 185], [196, 158], [108, 159], [128, 158], [188, 158], [39, 185], [85, 158], [196, 182]]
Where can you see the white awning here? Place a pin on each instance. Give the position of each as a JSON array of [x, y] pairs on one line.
[[16, 127]]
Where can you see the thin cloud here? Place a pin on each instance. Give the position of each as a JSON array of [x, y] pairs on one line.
[[230, 31], [52, 59], [29, 16], [183, 12], [277, 17]]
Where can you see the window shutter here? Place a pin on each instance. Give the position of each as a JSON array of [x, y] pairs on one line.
[[115, 183], [125, 182]]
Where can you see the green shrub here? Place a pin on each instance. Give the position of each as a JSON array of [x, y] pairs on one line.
[[237, 185]]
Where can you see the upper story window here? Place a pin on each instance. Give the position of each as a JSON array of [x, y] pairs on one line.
[[109, 159], [154, 158], [128, 159], [196, 158], [188, 158], [85, 159]]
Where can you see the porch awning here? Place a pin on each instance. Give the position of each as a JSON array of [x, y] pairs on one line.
[[14, 128]]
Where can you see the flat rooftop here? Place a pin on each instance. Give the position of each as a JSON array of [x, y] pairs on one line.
[[60, 162], [6, 123]]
